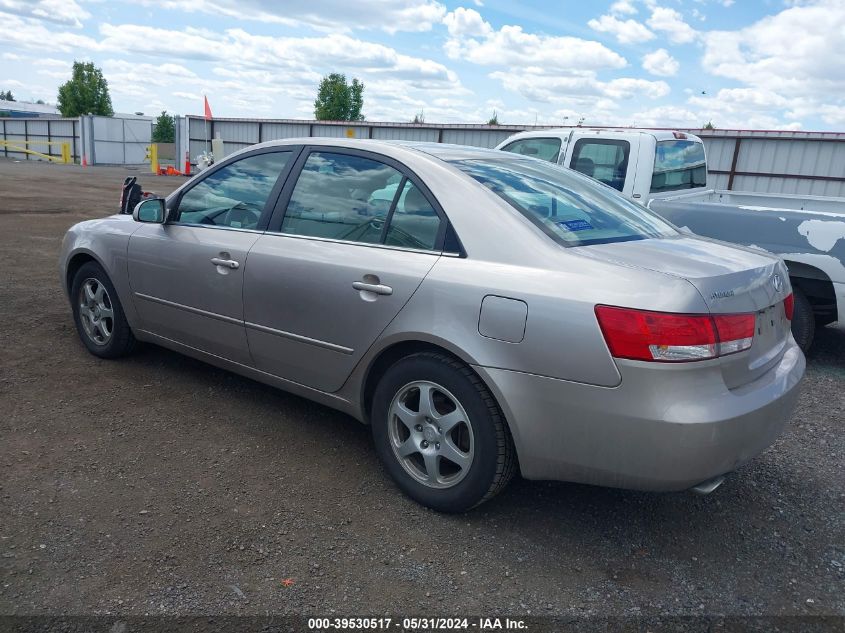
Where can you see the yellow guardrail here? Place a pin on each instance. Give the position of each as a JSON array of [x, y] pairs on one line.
[[21, 146]]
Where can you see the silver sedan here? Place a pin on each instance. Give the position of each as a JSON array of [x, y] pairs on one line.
[[485, 313]]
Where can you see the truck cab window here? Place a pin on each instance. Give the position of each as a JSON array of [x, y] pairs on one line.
[[543, 148], [603, 159], [678, 165]]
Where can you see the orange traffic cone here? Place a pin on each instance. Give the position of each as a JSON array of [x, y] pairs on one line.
[[84, 162], [187, 171]]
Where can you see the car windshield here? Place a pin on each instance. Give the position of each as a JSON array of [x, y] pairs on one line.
[[570, 208]]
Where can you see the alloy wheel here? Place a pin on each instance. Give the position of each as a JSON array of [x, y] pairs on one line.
[[95, 311], [431, 434]]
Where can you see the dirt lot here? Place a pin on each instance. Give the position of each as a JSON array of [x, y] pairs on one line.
[[161, 485]]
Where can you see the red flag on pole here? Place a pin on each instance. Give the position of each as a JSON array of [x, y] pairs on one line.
[[207, 109]]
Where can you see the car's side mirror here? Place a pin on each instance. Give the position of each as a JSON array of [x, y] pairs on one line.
[[151, 210]]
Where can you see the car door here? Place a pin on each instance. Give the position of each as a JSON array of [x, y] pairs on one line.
[[352, 239], [187, 274]]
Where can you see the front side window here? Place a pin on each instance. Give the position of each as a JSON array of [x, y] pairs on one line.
[[233, 196], [603, 159], [347, 197], [571, 209], [678, 165], [545, 148]]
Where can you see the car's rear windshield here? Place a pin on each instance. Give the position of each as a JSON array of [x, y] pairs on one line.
[[570, 208]]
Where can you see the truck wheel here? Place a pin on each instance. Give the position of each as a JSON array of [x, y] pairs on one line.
[[98, 315], [803, 320], [440, 434]]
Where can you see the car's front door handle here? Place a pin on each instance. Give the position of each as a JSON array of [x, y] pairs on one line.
[[228, 263], [379, 289]]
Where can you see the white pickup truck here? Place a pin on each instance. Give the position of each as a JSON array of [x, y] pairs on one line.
[[667, 172]]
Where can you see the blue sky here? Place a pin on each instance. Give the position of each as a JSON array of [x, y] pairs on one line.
[[738, 63]]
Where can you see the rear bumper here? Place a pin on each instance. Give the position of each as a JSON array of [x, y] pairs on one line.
[[663, 428]]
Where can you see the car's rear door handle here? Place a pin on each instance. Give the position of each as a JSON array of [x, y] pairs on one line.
[[228, 263], [379, 289]]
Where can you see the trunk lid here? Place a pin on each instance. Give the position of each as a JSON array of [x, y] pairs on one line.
[[730, 280]]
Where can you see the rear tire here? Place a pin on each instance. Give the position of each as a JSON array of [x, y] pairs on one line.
[[803, 320], [98, 313], [430, 409]]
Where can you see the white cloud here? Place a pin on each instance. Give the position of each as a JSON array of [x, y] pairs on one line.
[[672, 23], [660, 63], [797, 51], [579, 90], [623, 7], [31, 34], [747, 108], [625, 31], [59, 11], [666, 116], [474, 40], [466, 23], [238, 48], [328, 15]]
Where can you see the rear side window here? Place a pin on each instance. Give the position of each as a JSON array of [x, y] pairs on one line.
[[603, 159], [678, 165], [569, 208], [545, 148], [233, 196], [414, 222], [348, 197]]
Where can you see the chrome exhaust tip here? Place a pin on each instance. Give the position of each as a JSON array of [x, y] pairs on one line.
[[706, 487]]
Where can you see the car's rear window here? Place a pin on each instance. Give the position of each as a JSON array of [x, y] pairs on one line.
[[570, 208]]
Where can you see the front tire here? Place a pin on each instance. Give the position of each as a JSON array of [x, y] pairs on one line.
[[440, 434], [98, 313], [803, 320]]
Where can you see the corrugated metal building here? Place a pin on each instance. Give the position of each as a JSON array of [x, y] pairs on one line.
[[25, 109], [769, 161]]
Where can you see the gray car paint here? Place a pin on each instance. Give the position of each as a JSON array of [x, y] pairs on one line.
[[574, 411], [180, 294], [781, 231]]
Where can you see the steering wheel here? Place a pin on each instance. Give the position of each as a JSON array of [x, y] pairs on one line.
[[249, 210]]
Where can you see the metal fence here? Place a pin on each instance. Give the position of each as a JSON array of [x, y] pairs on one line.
[[41, 135], [97, 139], [115, 141], [771, 161], [239, 133], [767, 161]]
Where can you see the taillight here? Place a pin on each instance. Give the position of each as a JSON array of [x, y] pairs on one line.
[[668, 337], [789, 306]]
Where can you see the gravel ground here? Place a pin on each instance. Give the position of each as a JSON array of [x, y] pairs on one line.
[[160, 485]]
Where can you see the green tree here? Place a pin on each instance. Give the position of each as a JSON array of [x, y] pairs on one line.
[[87, 92], [494, 120], [164, 129], [708, 126], [338, 100], [420, 117], [6, 96]]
